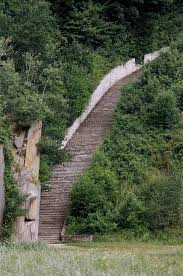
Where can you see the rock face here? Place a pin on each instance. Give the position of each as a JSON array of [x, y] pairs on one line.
[[32, 157], [2, 195], [26, 173]]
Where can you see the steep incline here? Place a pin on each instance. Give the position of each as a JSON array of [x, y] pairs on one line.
[[55, 203]]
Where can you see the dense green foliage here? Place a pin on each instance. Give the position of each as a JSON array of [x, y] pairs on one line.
[[135, 181], [54, 62], [13, 197], [54, 53]]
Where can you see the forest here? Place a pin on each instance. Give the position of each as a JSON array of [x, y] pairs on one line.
[[52, 56]]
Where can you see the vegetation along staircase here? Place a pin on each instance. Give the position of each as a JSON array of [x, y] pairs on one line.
[[55, 203]]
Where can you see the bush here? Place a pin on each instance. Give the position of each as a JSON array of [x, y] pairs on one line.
[[164, 111], [130, 211], [21, 101], [48, 74], [82, 79], [29, 24], [163, 201], [13, 198], [135, 181]]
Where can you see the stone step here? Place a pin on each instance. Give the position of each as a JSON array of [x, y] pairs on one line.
[[55, 203]]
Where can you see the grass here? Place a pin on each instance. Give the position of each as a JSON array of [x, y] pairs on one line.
[[99, 258]]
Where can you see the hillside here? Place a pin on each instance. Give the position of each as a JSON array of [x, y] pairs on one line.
[[135, 181], [52, 56]]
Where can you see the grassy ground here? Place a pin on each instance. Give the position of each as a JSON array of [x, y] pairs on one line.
[[116, 258]]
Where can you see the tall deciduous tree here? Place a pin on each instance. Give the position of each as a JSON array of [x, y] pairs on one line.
[[29, 23]]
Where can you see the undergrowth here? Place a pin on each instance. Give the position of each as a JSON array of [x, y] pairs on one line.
[[53, 55], [13, 198], [135, 181]]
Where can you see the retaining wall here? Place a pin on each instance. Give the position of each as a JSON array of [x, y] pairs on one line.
[[107, 82], [156, 54]]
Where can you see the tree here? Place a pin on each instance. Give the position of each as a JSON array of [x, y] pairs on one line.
[[29, 23]]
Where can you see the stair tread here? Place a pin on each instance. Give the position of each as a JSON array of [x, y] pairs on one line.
[[82, 146]]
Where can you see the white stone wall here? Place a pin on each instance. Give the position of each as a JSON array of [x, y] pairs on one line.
[[151, 56], [2, 195], [107, 82], [156, 54]]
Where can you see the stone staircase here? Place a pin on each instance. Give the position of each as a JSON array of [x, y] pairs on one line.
[[54, 206]]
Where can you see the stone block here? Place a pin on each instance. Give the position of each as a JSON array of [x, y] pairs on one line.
[[32, 158], [19, 227], [152, 56], [18, 140], [26, 174], [32, 209], [32, 204]]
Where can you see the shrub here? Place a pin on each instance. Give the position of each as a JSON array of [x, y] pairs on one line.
[[82, 79], [163, 200], [135, 181], [13, 198], [130, 211], [164, 111], [48, 74], [21, 101], [29, 24]]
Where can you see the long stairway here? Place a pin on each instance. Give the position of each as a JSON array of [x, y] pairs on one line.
[[55, 203]]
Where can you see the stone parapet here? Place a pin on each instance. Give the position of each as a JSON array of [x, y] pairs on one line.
[[106, 83]]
